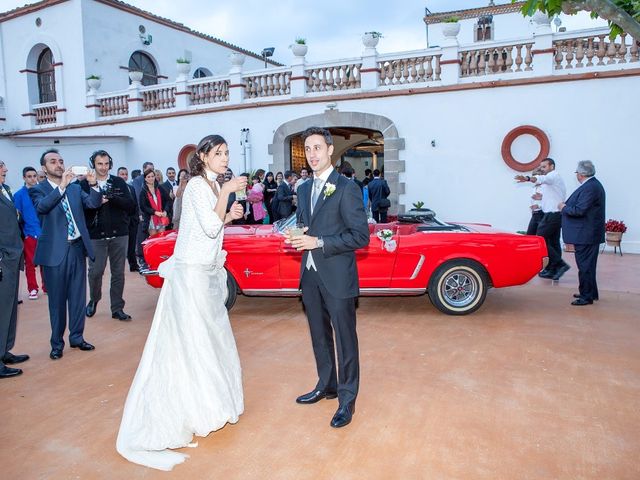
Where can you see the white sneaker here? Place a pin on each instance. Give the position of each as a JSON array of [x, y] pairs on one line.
[[33, 295]]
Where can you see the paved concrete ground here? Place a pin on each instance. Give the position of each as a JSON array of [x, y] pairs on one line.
[[527, 387]]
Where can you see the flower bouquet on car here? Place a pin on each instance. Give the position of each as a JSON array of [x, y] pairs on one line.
[[386, 237]]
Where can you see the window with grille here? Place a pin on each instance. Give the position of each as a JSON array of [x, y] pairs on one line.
[[141, 62], [201, 73], [46, 77]]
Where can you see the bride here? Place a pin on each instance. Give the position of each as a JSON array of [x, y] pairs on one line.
[[189, 379]]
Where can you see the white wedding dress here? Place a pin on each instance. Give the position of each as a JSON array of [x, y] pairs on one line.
[[189, 379]]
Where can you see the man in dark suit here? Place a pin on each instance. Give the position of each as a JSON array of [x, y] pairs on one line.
[[10, 264], [583, 222], [134, 220], [285, 195], [63, 247], [336, 226], [378, 191]]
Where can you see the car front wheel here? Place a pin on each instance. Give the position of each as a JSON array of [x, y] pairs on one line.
[[232, 292], [458, 287]]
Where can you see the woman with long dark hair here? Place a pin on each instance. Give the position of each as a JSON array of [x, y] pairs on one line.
[[155, 204], [189, 380], [270, 189]]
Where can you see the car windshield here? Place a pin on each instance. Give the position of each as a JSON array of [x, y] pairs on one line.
[[281, 225]]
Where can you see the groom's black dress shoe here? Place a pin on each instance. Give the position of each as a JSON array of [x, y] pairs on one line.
[[84, 346], [343, 415], [91, 308], [6, 372], [11, 359], [316, 396], [120, 315], [577, 295], [55, 354], [581, 301]]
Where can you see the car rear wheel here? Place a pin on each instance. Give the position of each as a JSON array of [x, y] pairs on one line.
[[458, 287], [232, 292]]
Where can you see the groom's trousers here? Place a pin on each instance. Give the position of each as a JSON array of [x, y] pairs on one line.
[[328, 314]]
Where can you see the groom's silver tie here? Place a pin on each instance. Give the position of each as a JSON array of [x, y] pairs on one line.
[[317, 188]]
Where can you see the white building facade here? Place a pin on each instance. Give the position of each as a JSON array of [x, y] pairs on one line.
[[454, 122]]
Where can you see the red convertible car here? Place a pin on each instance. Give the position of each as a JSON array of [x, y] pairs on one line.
[[454, 263]]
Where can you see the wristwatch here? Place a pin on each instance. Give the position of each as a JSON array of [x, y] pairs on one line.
[[320, 242]]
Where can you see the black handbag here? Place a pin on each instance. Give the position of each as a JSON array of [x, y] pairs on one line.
[[384, 203]]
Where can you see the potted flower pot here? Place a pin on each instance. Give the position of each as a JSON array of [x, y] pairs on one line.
[[183, 68], [613, 239], [299, 49], [371, 39], [136, 76], [237, 59], [94, 83], [450, 29]]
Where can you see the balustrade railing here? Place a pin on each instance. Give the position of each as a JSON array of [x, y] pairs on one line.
[[526, 57], [158, 98], [496, 59], [267, 84], [45, 113], [114, 105], [209, 91], [594, 50], [333, 77], [403, 71]]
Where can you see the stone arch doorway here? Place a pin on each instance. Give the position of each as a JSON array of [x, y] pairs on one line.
[[334, 119]]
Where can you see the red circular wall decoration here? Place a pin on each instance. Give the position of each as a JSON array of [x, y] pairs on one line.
[[183, 156], [515, 133]]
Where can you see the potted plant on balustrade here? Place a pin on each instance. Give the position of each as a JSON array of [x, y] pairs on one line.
[[94, 82], [299, 47], [183, 65], [613, 232], [451, 27], [371, 39]]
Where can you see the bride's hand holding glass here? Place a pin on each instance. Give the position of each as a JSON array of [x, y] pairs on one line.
[[235, 212], [235, 184]]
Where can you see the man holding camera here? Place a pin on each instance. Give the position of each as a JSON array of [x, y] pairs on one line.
[[108, 228]]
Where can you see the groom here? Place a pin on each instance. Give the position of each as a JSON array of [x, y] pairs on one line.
[[331, 209]]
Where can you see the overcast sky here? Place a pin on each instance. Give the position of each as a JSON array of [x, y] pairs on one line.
[[332, 28]]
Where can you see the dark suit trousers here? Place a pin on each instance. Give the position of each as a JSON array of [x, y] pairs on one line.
[[67, 286], [587, 259], [133, 236], [549, 228], [9, 308], [327, 314], [534, 222], [115, 250], [380, 216]]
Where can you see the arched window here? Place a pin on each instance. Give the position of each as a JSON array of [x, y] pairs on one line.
[[141, 62], [46, 77], [201, 72]]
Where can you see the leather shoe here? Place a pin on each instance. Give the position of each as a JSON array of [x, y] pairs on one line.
[[6, 372], [546, 273], [55, 354], [343, 415], [562, 269], [91, 308], [316, 396], [581, 301], [120, 315], [577, 295], [11, 359], [84, 346], [134, 268]]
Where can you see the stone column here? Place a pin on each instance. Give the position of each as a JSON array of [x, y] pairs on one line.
[[135, 99], [370, 71], [93, 106], [183, 95], [298, 76], [236, 83], [543, 52]]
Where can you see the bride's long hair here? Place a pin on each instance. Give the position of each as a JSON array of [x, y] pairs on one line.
[[196, 162]]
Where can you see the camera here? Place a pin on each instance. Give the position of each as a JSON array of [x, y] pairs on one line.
[[108, 191]]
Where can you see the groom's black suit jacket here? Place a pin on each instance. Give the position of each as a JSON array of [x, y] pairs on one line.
[[342, 223]]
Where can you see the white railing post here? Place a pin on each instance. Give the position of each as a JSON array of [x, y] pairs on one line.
[[543, 51], [298, 80], [450, 64], [370, 70], [135, 99], [183, 95], [236, 83], [93, 106]]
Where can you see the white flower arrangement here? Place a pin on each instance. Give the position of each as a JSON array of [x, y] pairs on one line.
[[329, 189], [386, 237]]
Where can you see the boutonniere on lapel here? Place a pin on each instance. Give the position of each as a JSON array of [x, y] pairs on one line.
[[329, 188]]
